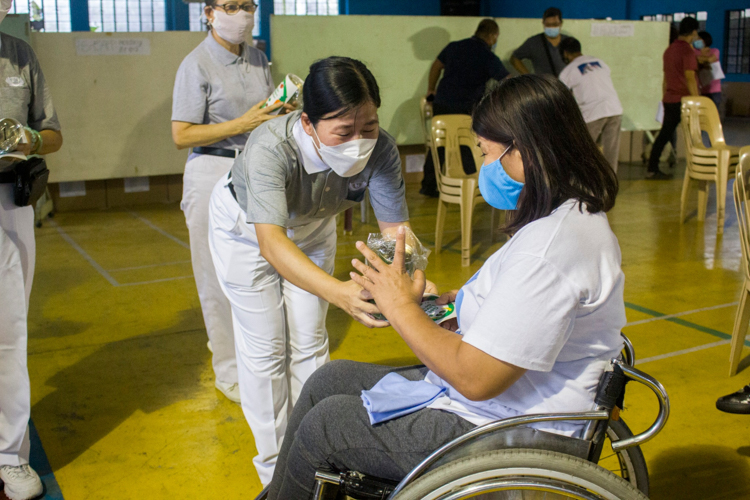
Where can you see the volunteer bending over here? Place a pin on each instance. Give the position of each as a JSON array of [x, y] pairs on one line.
[[538, 322], [218, 92], [273, 237]]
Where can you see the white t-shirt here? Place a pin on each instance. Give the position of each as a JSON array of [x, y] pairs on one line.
[[550, 301], [589, 79]]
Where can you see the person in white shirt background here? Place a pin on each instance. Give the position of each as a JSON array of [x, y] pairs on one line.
[[590, 80], [539, 321]]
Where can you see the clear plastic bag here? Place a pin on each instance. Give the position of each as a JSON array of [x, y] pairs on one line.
[[385, 246]]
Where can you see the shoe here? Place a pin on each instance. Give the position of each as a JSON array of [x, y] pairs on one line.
[[231, 391], [21, 482], [432, 193], [658, 176], [210, 347], [737, 402]]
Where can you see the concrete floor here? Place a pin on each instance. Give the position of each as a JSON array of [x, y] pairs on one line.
[[122, 386]]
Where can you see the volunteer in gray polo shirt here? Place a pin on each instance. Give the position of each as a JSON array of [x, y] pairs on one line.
[[217, 94], [273, 237], [24, 96]]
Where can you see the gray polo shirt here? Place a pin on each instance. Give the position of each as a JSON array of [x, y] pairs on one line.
[[533, 49], [273, 186], [24, 94], [214, 86]]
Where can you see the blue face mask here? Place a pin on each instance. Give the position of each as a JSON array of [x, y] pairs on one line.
[[699, 44], [552, 32], [496, 186]]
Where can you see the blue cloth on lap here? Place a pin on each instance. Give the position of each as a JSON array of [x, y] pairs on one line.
[[394, 396]]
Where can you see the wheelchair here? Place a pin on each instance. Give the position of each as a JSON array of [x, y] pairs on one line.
[[506, 459]]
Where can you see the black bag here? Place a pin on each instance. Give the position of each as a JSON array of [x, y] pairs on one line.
[[31, 181]]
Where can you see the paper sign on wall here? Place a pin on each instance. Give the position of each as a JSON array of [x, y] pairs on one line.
[[613, 29], [113, 47]]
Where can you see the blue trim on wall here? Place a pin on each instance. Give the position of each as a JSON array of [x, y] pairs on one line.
[[266, 9], [79, 15], [178, 15]]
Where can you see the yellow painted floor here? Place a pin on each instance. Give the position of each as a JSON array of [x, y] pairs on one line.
[[122, 386]]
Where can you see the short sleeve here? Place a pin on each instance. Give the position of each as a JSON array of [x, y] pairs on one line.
[[190, 93], [689, 61], [525, 51], [42, 115], [528, 315], [387, 188], [496, 69], [265, 173]]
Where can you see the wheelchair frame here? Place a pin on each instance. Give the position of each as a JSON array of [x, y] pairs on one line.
[[609, 397]]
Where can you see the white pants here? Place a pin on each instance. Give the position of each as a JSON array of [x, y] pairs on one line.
[[201, 175], [17, 254], [279, 329]]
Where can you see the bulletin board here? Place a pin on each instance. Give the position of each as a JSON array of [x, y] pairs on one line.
[[113, 96], [399, 51]]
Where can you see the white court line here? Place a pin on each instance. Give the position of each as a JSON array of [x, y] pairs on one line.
[[684, 313], [160, 230], [156, 281], [133, 268], [639, 362], [83, 253]]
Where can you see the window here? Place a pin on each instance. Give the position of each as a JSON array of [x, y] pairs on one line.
[[676, 17], [306, 7], [197, 21], [127, 15], [45, 15], [737, 42]]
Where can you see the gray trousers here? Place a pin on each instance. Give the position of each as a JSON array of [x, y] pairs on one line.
[[329, 429], [606, 134]]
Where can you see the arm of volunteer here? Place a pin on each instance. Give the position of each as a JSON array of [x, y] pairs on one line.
[[292, 263], [692, 85], [435, 72], [475, 374], [51, 141], [519, 65], [190, 135]]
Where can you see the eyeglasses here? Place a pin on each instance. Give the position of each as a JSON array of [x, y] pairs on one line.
[[232, 8]]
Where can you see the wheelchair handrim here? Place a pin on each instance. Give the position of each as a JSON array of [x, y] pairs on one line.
[[520, 478]]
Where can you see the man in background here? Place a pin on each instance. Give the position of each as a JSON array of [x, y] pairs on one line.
[[680, 66], [541, 49], [466, 66], [590, 81]]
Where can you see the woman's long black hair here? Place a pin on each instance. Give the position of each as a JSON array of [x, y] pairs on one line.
[[337, 84], [540, 118]]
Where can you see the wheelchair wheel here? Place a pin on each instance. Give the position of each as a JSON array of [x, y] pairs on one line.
[[629, 464], [521, 474]]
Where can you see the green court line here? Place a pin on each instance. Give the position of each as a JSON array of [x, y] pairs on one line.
[[682, 322]]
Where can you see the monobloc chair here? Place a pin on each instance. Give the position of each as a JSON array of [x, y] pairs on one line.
[[716, 163], [425, 114], [741, 200], [455, 186]]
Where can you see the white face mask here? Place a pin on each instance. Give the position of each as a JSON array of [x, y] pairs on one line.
[[233, 29], [347, 159], [5, 6]]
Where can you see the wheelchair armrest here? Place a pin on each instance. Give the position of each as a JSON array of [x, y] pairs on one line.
[[661, 395]]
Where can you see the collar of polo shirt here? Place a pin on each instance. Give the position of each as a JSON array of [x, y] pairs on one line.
[[223, 55]]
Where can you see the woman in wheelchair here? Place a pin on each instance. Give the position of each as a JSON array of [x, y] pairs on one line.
[[536, 326]]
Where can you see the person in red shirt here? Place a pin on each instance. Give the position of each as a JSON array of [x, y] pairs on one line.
[[680, 66]]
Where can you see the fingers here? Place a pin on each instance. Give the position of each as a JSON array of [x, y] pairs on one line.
[[419, 281], [370, 322], [273, 107], [371, 256], [257, 106], [398, 257], [361, 281], [431, 288], [362, 268], [446, 298]]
